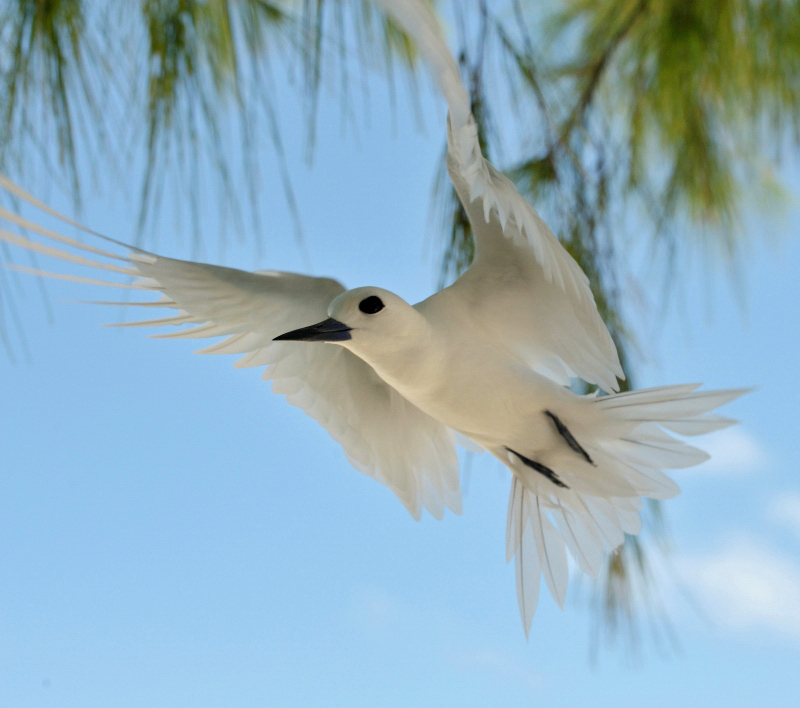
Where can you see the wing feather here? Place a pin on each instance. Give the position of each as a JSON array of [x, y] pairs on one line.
[[517, 257], [382, 433]]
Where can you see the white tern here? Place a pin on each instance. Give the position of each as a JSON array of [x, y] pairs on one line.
[[489, 357]]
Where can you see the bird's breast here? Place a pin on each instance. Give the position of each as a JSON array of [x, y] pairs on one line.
[[480, 391]]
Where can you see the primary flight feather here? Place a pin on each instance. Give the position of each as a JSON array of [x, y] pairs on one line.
[[488, 358]]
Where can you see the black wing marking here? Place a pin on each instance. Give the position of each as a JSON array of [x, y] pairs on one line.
[[563, 431], [541, 469]]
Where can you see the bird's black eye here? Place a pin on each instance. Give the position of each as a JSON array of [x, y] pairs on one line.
[[370, 305]]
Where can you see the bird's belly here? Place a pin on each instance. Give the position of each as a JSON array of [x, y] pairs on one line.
[[491, 403]]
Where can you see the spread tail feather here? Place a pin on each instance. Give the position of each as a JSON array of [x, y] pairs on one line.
[[601, 501]]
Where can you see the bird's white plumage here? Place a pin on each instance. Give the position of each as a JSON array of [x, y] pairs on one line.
[[562, 336], [485, 359], [382, 434]]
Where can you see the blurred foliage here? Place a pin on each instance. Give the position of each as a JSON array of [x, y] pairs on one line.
[[44, 64], [196, 73], [669, 110], [626, 602]]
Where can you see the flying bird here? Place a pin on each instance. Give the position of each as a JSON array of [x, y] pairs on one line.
[[489, 358]]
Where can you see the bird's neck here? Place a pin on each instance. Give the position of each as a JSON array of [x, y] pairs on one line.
[[409, 362]]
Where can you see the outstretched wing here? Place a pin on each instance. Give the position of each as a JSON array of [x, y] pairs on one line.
[[518, 259], [551, 322], [383, 435]]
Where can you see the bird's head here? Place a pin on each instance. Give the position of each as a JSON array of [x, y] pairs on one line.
[[366, 320]]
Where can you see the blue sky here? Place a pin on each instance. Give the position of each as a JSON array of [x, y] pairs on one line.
[[172, 534]]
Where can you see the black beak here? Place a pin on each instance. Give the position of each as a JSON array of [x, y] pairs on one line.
[[329, 330]]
